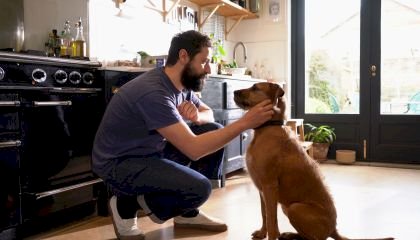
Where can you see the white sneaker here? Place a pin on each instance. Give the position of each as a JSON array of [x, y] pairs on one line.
[[201, 221], [125, 229]]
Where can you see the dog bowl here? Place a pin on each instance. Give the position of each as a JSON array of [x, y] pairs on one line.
[[345, 156]]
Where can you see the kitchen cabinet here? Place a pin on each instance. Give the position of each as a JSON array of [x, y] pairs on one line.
[[217, 93], [115, 77]]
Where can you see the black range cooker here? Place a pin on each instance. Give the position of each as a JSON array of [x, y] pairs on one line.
[[50, 109]]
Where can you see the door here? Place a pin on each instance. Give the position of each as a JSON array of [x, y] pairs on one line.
[[357, 69], [58, 128]]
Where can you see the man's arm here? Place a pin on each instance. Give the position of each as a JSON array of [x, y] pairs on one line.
[[197, 146], [200, 115]]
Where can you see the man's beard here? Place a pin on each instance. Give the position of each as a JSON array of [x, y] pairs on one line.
[[191, 80]]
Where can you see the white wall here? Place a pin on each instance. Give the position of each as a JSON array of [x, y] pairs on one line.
[[110, 33], [41, 16], [266, 40], [114, 34], [119, 34]]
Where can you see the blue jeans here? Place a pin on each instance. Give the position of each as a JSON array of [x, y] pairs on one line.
[[170, 188]]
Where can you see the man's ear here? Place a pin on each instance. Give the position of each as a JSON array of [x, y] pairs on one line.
[[183, 56]]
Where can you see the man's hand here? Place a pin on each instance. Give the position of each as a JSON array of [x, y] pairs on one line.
[[259, 114], [189, 111]]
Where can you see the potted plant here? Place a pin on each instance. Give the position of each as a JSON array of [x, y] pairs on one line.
[[322, 137], [217, 54]]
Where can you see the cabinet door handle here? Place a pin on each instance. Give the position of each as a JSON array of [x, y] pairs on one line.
[[245, 136], [9, 144], [52, 103], [66, 189], [9, 103]]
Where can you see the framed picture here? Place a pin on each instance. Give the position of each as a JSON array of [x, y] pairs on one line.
[[273, 10]]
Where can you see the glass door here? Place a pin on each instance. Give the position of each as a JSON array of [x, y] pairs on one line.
[[395, 81], [357, 68]]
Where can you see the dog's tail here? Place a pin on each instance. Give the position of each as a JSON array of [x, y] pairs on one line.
[[337, 236]]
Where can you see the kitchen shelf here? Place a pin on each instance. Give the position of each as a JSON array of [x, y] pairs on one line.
[[227, 8], [224, 8]]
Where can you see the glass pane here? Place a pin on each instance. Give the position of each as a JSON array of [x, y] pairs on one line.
[[400, 57], [332, 53]]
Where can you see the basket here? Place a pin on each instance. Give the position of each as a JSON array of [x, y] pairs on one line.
[[345, 156]]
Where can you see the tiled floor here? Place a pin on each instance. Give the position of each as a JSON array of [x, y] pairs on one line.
[[371, 202]]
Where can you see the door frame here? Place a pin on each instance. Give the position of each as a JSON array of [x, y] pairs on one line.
[[347, 127], [374, 137]]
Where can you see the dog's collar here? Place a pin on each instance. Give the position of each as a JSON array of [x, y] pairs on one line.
[[271, 123]]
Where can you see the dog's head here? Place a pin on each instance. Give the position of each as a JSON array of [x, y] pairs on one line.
[[249, 97]]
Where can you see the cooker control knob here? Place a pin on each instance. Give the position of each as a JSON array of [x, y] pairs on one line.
[[88, 78], [39, 75], [75, 77], [60, 76], [2, 73]]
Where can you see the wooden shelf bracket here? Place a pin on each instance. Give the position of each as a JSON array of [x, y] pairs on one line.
[[234, 25], [166, 13], [215, 8]]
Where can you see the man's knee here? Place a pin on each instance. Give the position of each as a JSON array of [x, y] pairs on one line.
[[206, 127], [214, 125], [202, 189]]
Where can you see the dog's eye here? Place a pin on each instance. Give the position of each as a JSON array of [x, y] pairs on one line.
[[254, 87]]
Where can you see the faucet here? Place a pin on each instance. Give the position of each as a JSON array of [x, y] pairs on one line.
[[234, 50]]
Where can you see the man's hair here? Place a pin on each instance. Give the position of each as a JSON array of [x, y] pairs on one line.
[[192, 41]]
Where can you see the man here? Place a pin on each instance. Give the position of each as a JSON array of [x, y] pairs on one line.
[[136, 148]]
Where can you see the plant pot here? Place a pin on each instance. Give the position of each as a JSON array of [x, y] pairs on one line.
[[321, 151], [214, 68]]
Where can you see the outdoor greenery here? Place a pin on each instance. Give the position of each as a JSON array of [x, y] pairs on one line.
[[320, 134], [218, 49], [321, 94]]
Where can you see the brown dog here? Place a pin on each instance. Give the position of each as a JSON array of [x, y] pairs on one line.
[[284, 173]]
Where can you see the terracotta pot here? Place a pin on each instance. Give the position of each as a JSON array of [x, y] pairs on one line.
[[320, 151]]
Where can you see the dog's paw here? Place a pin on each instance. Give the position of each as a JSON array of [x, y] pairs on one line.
[[290, 236], [259, 234]]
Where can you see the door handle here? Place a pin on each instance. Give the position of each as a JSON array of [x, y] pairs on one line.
[[372, 70], [52, 103], [9, 144], [9, 103]]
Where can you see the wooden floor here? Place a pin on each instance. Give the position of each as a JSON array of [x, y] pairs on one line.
[[371, 202]]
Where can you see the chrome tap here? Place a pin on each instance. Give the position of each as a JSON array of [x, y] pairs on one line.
[[234, 50]]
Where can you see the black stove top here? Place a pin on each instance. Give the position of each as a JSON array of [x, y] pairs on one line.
[[18, 69]]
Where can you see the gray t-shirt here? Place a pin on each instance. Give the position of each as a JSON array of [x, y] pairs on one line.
[[129, 124]]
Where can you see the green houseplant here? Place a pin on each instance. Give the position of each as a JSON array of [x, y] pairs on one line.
[[218, 52], [322, 137]]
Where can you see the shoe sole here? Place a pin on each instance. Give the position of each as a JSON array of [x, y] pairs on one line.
[[212, 228], [121, 237]]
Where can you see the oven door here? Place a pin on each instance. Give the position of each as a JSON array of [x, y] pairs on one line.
[[58, 128], [9, 162]]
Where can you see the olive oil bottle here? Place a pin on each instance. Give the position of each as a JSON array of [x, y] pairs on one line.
[[79, 44], [66, 39]]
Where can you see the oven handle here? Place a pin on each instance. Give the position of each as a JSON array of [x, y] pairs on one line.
[[9, 144], [75, 90], [51, 103], [68, 188], [9, 103]]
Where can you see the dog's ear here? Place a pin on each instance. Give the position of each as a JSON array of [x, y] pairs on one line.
[[279, 92]]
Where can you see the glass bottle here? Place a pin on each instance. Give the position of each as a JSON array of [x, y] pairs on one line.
[[79, 44], [254, 6], [66, 40]]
